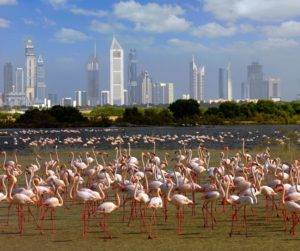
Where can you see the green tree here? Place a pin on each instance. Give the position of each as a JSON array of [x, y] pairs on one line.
[[182, 108], [229, 110]]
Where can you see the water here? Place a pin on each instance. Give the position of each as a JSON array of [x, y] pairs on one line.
[[216, 137]]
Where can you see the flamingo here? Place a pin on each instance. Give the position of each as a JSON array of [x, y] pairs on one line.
[[52, 203], [20, 200], [107, 208], [154, 203], [178, 200]]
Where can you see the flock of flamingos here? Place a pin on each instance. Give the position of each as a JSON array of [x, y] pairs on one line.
[[151, 183]]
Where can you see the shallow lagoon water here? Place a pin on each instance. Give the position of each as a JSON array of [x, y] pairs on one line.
[[216, 137]]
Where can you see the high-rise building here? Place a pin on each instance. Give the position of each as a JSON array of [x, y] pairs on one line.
[[126, 98], [40, 80], [196, 81], [116, 73], [132, 77], [145, 88], [258, 88], [200, 83], [163, 93], [8, 78], [225, 83], [81, 98], [30, 64], [93, 79], [20, 80], [273, 88], [193, 80], [105, 97]]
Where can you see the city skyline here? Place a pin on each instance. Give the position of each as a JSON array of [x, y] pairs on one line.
[[165, 36]]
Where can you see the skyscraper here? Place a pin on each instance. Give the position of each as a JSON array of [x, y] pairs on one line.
[[193, 80], [93, 79], [132, 77], [40, 80], [20, 80], [258, 88], [8, 78], [145, 88], [200, 83], [273, 88], [30, 64], [196, 81], [116, 73], [225, 83]]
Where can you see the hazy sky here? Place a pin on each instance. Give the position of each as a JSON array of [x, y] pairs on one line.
[[165, 34]]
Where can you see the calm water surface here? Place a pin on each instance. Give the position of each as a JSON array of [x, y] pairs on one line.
[[140, 137]]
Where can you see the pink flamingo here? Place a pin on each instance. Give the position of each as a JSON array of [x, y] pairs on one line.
[[179, 201], [107, 208]]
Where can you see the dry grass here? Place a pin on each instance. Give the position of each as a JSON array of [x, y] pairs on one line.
[[195, 236]]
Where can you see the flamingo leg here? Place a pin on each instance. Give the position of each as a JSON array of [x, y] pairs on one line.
[[267, 209], [245, 220], [83, 219], [36, 222], [143, 225]]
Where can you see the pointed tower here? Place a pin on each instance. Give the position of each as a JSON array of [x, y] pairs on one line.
[[193, 80], [116, 73]]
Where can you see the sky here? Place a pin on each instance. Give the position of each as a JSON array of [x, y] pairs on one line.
[[166, 34]]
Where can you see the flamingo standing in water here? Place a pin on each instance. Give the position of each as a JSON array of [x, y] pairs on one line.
[[107, 208]]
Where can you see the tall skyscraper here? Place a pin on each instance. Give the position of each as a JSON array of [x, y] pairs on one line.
[[20, 80], [8, 78], [193, 80], [225, 83], [116, 73], [40, 80], [30, 64], [196, 81], [258, 88], [93, 79], [81, 98], [145, 88], [132, 77]]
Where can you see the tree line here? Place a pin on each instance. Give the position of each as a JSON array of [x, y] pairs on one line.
[[180, 112]]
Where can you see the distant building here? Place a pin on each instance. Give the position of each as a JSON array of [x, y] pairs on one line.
[[126, 98], [93, 79], [132, 78], [40, 81], [245, 91], [67, 102], [105, 98], [81, 98], [53, 98], [116, 73], [8, 78], [273, 88], [185, 96], [225, 83], [163, 93], [20, 80], [15, 99], [145, 88], [30, 73], [258, 88], [196, 81]]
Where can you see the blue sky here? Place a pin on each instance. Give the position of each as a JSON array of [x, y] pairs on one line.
[[165, 34]]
